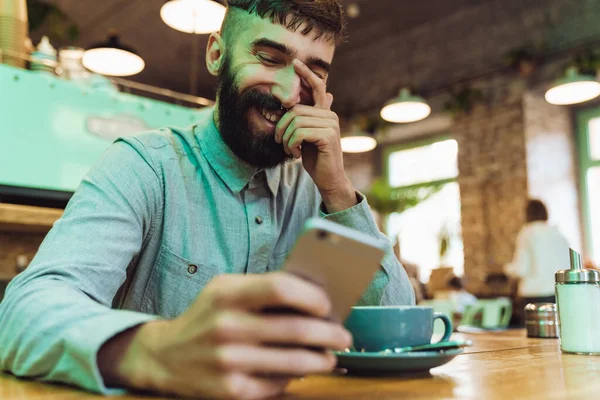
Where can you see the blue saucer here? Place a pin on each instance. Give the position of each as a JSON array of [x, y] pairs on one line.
[[477, 329], [368, 363]]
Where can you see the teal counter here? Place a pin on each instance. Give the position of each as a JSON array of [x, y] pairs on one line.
[[52, 130]]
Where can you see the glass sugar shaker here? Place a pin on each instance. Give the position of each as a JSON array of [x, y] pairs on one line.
[[578, 301]]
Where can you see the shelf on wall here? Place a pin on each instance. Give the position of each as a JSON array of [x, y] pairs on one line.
[[29, 219], [6, 277]]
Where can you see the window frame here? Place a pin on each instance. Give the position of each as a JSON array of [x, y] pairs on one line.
[[583, 117], [388, 150]]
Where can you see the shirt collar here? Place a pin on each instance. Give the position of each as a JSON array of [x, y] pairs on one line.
[[232, 170], [273, 177]]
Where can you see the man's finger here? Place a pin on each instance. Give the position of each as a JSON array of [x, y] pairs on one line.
[[271, 360], [304, 122], [283, 329], [278, 289], [316, 136], [302, 331], [298, 111], [317, 84]]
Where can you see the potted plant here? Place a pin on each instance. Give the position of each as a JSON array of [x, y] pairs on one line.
[[57, 23], [587, 62], [387, 200]]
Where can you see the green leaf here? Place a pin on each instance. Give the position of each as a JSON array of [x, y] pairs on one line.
[[387, 200], [59, 24]]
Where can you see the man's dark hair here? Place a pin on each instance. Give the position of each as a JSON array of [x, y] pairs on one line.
[[324, 17], [499, 278], [536, 211], [456, 283]]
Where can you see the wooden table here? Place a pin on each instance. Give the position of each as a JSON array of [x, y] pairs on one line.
[[501, 365]]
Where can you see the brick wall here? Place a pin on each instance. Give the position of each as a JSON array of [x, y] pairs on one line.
[[493, 184]]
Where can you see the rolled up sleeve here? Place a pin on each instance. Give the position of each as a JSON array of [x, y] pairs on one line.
[[390, 285]]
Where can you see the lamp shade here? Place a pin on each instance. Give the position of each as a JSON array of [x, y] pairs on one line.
[[112, 58], [357, 141], [358, 144], [193, 16], [573, 88], [405, 108]]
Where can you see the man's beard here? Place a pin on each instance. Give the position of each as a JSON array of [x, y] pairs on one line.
[[249, 143]]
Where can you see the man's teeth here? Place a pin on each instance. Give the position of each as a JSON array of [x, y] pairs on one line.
[[270, 116]]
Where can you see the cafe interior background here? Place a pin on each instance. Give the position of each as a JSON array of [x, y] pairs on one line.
[[472, 130]]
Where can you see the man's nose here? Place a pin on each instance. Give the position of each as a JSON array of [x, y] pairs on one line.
[[287, 87]]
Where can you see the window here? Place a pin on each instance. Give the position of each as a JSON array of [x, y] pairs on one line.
[[420, 229], [588, 122], [593, 181], [428, 163], [594, 139]]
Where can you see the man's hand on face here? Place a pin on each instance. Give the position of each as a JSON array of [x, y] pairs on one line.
[[224, 346], [313, 133]]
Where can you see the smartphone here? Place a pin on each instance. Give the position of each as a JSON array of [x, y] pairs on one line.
[[341, 260]]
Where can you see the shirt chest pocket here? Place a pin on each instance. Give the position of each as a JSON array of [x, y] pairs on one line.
[[174, 284]]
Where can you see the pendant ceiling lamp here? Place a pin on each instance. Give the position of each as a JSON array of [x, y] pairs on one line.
[[573, 88], [405, 108], [193, 16], [358, 142], [112, 58]]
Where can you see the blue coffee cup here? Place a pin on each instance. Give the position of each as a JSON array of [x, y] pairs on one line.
[[377, 328]]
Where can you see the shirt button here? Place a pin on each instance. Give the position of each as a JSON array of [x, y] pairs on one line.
[[259, 220], [192, 269]]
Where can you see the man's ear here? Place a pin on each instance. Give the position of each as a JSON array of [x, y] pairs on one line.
[[215, 53]]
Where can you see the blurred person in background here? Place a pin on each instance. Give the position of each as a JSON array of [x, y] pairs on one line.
[[456, 297], [459, 296], [540, 251]]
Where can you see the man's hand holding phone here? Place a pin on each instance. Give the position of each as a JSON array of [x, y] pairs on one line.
[[223, 346]]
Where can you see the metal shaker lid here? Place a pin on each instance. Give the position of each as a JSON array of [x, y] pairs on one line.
[[577, 274], [541, 308]]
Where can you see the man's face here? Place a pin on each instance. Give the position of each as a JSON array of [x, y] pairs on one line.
[[258, 83]]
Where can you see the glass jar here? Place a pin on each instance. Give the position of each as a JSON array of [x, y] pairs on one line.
[[578, 301], [541, 320]]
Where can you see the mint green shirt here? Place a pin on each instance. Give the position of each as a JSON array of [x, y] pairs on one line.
[[156, 219]]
